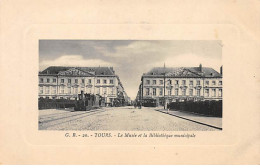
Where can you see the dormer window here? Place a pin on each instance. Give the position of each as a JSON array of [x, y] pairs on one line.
[[198, 82]]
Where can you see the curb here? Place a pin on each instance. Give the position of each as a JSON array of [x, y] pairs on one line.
[[212, 126]]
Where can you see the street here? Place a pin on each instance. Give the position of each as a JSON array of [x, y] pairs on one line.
[[115, 119]]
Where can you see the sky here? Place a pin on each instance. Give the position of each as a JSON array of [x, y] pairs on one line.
[[130, 58]]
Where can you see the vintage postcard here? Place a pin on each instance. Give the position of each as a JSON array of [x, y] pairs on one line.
[[80, 87], [98, 83]]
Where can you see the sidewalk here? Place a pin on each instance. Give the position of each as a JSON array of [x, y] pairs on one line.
[[210, 121]]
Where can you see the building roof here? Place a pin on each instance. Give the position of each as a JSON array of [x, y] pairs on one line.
[[188, 72], [98, 71]]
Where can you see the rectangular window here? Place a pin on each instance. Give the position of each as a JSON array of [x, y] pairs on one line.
[[191, 92], [183, 82], [98, 81], [148, 82], [220, 83], [214, 92], [161, 91], [111, 81], [89, 81], [69, 90], [191, 82], [113, 91], [105, 81], [207, 93], [47, 89], [62, 81], [54, 80], [41, 80], [69, 80], [176, 92], [198, 92], [48, 80], [154, 82], [147, 91], [213, 82], [170, 81], [176, 82], [54, 90], [104, 90], [62, 89], [220, 93], [75, 90], [207, 82], [169, 92], [41, 90], [183, 92], [82, 80], [89, 90], [76, 80], [154, 91], [198, 82], [161, 82]]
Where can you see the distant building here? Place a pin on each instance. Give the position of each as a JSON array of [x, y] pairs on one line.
[[180, 84], [57, 82]]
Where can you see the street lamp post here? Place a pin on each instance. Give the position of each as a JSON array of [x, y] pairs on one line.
[[105, 99], [164, 87]]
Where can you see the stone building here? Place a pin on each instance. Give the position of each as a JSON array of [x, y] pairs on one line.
[[57, 82], [180, 84]]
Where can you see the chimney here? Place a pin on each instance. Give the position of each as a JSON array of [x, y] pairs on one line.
[[221, 70], [200, 68]]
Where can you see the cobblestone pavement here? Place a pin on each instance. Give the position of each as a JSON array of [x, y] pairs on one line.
[[116, 119]]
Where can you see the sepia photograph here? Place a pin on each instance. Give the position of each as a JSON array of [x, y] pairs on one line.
[[130, 85]]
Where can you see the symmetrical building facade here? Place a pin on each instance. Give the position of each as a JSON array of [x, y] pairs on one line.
[[179, 84], [67, 82]]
